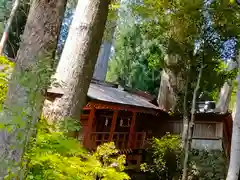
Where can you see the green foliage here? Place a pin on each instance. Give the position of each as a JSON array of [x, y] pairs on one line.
[[53, 155], [172, 28], [3, 13], [178, 22], [165, 161], [137, 61], [5, 69], [165, 157], [19, 119], [209, 164], [226, 19], [194, 32], [233, 101], [215, 74]]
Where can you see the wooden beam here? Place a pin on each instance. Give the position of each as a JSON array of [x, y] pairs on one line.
[[196, 122], [119, 107], [113, 125], [132, 129], [91, 116]]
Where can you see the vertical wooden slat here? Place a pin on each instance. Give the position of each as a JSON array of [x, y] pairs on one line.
[[125, 140], [94, 139], [88, 132], [131, 133], [144, 137], [219, 130], [113, 125], [103, 139]]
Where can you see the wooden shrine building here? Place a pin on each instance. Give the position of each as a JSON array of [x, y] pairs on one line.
[[212, 131], [129, 118], [115, 114], [126, 117]]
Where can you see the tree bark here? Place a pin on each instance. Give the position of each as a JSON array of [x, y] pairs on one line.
[[24, 98], [234, 166], [166, 96], [9, 23], [171, 84], [79, 56], [225, 97], [191, 127], [185, 110], [226, 92], [101, 67]]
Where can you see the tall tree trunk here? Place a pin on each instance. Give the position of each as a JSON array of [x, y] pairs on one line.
[[185, 110], [166, 96], [101, 67], [234, 166], [75, 69], [191, 127], [225, 97], [185, 121], [226, 92], [28, 81], [9, 23], [171, 84]]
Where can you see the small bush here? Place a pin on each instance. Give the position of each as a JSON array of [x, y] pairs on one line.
[[209, 164], [56, 156], [164, 158]]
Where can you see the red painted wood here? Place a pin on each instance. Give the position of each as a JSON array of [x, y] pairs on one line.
[[100, 138], [87, 137], [106, 105], [132, 128], [113, 125]]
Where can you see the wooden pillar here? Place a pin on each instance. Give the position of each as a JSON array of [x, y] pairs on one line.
[[132, 128], [113, 125], [88, 132]]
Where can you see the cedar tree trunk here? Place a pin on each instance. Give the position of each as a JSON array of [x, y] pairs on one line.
[[171, 85], [225, 97], [24, 98], [234, 166], [101, 66], [75, 69]]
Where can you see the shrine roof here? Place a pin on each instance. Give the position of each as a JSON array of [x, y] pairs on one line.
[[118, 95], [113, 93]]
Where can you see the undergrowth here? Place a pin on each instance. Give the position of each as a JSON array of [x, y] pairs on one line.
[[53, 155], [165, 157], [5, 69]]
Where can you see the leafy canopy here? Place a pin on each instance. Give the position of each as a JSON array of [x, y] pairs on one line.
[[136, 61]]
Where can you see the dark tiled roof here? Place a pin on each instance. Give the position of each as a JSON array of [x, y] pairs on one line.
[[117, 95], [111, 93]]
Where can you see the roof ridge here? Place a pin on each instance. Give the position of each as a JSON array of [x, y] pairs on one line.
[[104, 83]]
